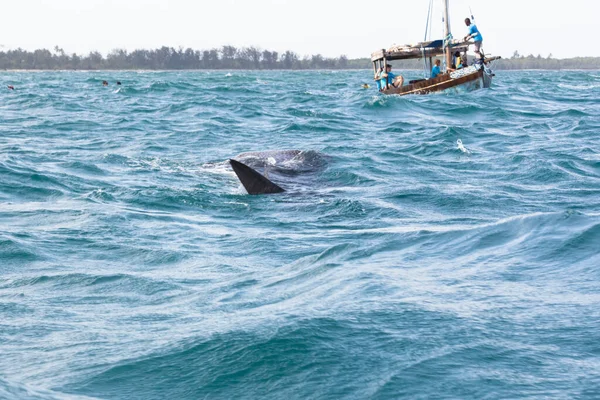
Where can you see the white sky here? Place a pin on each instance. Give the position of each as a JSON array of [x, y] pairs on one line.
[[329, 27]]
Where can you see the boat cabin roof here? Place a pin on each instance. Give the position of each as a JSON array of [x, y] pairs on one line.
[[433, 48]]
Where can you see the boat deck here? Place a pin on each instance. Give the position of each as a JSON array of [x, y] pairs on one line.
[[419, 50]]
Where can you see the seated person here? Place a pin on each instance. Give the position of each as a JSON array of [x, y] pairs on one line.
[[458, 63], [389, 79], [435, 71]]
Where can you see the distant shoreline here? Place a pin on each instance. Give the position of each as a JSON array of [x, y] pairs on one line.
[[271, 70], [229, 58]]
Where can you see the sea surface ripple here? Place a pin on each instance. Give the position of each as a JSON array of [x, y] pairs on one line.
[[448, 246]]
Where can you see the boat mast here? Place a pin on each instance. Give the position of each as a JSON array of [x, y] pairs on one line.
[[447, 34]]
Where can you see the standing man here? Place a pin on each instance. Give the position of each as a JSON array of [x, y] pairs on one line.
[[476, 36]]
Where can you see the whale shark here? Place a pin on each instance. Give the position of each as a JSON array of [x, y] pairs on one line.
[[280, 165], [253, 181]]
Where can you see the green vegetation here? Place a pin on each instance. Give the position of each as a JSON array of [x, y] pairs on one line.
[[229, 57], [518, 61]]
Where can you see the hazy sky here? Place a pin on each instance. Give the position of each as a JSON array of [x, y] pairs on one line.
[[329, 27]]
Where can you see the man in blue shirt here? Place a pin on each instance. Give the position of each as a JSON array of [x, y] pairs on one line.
[[435, 71], [476, 36], [389, 79]]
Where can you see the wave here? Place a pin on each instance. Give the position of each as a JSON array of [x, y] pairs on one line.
[[134, 264], [238, 364], [11, 390], [15, 252], [579, 87]]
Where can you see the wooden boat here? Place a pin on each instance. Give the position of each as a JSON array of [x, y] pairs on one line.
[[470, 78]]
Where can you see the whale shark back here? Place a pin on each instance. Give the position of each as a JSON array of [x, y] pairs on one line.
[[253, 181], [278, 155]]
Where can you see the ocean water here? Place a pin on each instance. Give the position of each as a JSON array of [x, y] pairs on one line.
[[427, 247]]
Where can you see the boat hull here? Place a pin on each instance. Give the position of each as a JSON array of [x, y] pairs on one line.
[[455, 82]]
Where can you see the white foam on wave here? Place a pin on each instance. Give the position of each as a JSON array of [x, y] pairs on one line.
[[218, 168], [461, 147], [578, 87]]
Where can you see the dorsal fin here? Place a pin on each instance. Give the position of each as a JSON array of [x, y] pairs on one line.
[[253, 181]]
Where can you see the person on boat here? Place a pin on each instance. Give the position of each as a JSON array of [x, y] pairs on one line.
[[435, 71], [378, 78], [458, 63], [389, 79], [476, 36]]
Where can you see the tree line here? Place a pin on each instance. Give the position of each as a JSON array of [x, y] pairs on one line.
[[167, 58], [230, 57], [519, 61]]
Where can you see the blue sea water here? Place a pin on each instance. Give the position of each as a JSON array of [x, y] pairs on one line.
[[133, 265]]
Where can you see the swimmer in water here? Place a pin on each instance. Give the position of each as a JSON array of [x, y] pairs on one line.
[[118, 83], [104, 83], [11, 87]]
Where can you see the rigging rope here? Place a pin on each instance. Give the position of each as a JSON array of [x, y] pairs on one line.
[[444, 43], [427, 33], [428, 19]]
